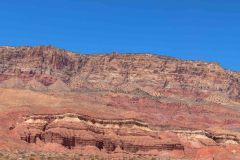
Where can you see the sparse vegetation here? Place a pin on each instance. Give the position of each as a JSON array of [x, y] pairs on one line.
[[14, 154]]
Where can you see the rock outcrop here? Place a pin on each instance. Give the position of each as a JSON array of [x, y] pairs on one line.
[[72, 130], [152, 74], [128, 135], [117, 105]]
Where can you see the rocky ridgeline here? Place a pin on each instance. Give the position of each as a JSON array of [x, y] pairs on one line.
[[117, 105], [43, 66]]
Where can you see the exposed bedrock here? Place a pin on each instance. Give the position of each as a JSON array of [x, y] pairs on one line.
[[73, 130], [43, 66]]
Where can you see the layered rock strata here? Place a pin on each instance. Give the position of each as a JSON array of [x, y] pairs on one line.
[[129, 135], [73, 130], [117, 105], [151, 74]]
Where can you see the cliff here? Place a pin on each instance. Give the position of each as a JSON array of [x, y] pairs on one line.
[[152, 74], [116, 105]]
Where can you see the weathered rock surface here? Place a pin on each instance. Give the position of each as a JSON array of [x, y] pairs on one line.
[[73, 130], [117, 105], [152, 74]]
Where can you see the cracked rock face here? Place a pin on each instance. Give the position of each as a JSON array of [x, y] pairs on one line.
[[152, 74], [116, 105], [72, 130], [113, 136]]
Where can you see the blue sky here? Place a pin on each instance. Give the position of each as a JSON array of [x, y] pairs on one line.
[[206, 30]]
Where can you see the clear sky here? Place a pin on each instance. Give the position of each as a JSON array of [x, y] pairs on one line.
[[206, 30]]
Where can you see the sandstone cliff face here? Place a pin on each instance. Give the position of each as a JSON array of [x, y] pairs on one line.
[[117, 105], [114, 136], [72, 130], [151, 74], [129, 135]]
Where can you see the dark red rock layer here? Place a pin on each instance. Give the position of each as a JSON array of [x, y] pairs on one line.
[[72, 130]]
